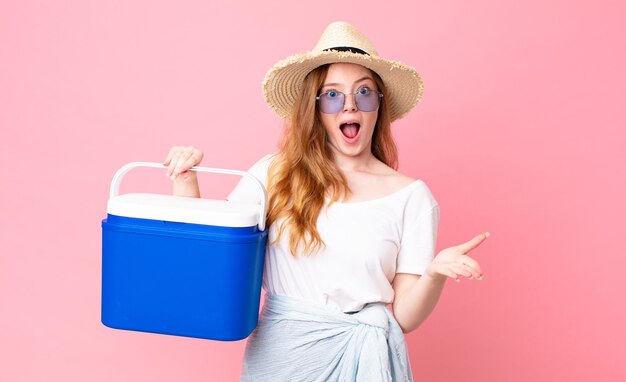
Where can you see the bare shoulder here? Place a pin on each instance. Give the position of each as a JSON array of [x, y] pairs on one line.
[[394, 179]]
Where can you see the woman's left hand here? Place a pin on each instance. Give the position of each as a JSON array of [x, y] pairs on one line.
[[453, 262]]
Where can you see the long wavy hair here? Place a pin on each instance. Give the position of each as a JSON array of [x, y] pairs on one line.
[[303, 174]]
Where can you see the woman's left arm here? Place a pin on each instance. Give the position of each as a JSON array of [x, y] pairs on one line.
[[416, 296]]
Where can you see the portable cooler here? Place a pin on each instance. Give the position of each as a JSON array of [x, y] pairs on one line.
[[182, 266]]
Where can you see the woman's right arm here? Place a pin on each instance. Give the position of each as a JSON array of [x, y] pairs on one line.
[[178, 161]]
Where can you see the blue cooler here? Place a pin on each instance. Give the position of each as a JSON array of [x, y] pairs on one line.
[[182, 266]]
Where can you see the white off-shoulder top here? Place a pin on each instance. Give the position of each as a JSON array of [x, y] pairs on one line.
[[366, 244]]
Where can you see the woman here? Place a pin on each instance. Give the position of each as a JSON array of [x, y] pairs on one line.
[[348, 233]]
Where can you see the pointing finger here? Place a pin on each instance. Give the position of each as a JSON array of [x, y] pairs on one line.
[[475, 242]]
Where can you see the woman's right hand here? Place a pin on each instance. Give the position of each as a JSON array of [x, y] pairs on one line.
[[180, 159]]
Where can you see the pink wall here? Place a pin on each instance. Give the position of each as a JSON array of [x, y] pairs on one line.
[[521, 132]]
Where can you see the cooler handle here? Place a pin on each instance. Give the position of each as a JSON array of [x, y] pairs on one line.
[[117, 179]]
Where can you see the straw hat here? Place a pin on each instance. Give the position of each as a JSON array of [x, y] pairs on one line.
[[342, 42]]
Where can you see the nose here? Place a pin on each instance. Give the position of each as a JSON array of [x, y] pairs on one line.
[[349, 103]]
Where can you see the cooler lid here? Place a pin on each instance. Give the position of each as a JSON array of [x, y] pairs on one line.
[[184, 209]]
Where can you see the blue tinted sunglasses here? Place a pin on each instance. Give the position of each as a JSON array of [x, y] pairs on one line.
[[332, 101]]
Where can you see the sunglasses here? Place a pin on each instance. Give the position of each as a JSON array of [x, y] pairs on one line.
[[332, 101]]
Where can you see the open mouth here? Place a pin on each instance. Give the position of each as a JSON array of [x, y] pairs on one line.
[[350, 130]]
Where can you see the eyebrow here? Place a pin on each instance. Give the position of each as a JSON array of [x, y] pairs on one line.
[[356, 82]]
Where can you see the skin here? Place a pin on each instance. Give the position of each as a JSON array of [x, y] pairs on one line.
[[415, 296], [367, 177], [348, 78]]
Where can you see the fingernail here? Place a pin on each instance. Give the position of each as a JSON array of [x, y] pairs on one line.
[[480, 277], [487, 234], [457, 280]]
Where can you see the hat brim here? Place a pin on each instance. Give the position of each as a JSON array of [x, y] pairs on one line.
[[283, 81]]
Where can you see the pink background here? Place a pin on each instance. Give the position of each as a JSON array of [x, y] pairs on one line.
[[520, 132]]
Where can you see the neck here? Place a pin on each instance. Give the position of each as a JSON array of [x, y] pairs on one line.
[[360, 163]]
